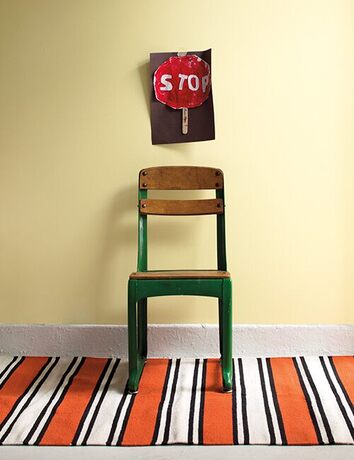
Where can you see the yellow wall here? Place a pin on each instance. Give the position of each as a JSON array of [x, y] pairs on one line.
[[74, 121]]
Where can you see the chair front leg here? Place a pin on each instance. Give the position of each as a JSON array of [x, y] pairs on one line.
[[135, 361], [142, 328], [226, 360]]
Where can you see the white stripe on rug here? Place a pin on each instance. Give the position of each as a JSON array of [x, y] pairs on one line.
[[240, 411], [103, 425], [99, 401], [104, 421], [258, 426], [94, 400], [334, 416], [5, 360], [181, 409], [7, 366], [271, 403], [313, 402], [34, 417], [196, 414], [26, 399], [349, 410], [166, 402]]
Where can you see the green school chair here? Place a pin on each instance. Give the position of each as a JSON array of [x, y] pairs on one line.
[[144, 283]]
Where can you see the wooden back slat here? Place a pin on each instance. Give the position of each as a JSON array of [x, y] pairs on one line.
[[181, 178], [181, 207]]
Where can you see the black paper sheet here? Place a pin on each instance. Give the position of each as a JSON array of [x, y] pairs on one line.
[[166, 122]]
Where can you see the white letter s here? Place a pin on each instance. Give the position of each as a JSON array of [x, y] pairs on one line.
[[164, 81]]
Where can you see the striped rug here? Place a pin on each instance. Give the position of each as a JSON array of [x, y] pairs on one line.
[[83, 401]]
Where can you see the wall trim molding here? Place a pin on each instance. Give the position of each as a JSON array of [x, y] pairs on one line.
[[176, 340]]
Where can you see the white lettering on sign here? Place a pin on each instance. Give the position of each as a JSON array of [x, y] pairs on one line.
[[196, 82], [164, 81], [192, 81], [205, 82], [182, 78]]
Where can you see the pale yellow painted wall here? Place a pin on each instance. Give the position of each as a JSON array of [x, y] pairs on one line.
[[74, 121]]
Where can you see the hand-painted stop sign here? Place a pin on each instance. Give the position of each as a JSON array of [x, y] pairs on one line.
[[182, 82]]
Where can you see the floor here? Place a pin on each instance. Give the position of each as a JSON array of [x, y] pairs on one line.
[[178, 452]]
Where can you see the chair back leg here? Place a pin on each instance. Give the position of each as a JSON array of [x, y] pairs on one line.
[[220, 326], [136, 362]]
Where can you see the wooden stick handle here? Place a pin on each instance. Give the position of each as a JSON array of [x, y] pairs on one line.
[[184, 121], [184, 111]]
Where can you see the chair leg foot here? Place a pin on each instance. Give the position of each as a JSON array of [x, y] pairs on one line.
[[133, 384], [135, 375], [133, 392], [227, 381], [227, 390]]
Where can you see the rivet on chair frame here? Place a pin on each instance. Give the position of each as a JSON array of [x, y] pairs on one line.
[[217, 184], [144, 184], [143, 205], [144, 173]]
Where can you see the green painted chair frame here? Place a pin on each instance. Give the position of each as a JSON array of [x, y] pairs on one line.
[[140, 289]]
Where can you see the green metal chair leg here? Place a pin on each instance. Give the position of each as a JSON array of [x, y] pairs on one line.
[[220, 326], [135, 361], [226, 360], [142, 328]]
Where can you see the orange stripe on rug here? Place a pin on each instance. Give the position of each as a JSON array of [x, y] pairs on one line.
[[142, 419], [18, 382], [66, 419], [345, 369], [296, 417], [217, 424]]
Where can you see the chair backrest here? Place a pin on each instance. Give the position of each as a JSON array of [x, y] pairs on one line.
[[181, 178]]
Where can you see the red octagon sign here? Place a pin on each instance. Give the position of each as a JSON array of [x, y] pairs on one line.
[[182, 82]]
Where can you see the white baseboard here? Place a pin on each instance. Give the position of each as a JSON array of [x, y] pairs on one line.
[[176, 340]]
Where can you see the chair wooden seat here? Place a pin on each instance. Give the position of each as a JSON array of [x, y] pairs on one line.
[[179, 274]]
